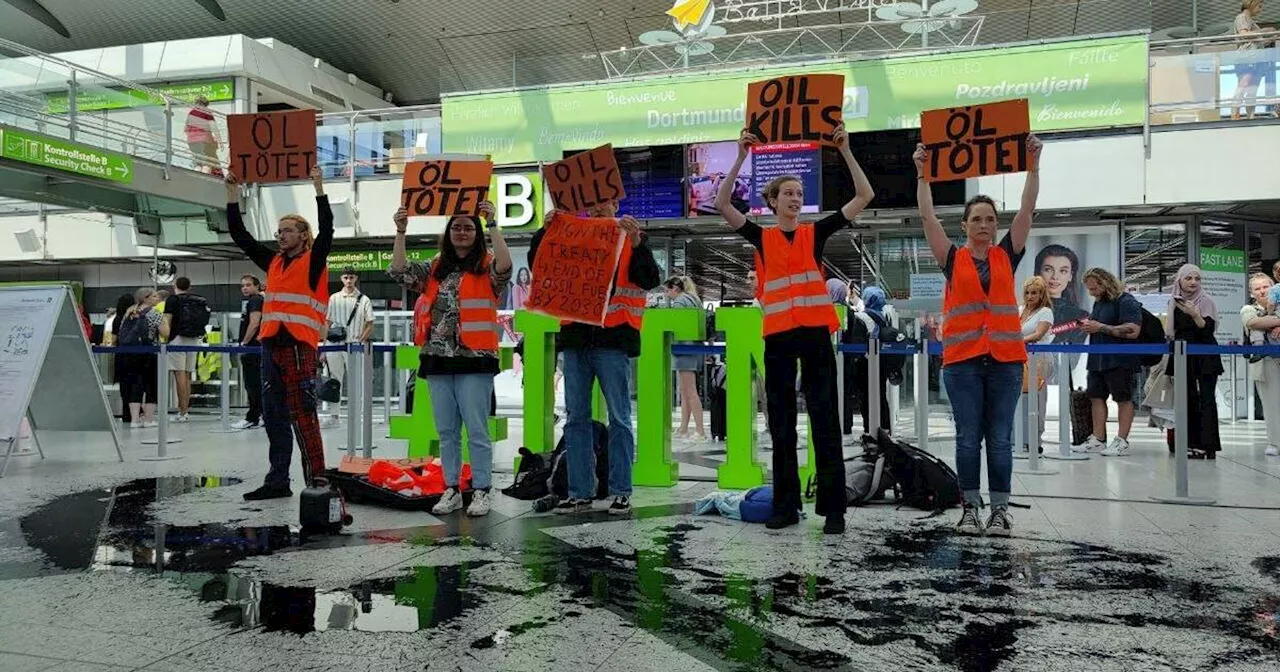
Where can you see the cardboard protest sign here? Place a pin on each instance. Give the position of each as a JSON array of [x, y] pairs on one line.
[[799, 108], [962, 142], [584, 180], [272, 146], [573, 271], [445, 188]]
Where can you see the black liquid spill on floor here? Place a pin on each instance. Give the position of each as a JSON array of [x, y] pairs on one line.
[[963, 605]]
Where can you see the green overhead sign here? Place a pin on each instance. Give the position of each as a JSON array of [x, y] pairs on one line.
[[372, 260], [41, 150], [1071, 85], [97, 98]]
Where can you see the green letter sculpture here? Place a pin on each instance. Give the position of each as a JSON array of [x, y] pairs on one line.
[[662, 326]]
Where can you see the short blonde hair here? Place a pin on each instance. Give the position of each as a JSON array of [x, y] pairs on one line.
[[1039, 283], [1246, 5], [1111, 289]]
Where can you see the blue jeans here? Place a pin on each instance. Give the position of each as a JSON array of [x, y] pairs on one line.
[[457, 401], [613, 369], [984, 395]]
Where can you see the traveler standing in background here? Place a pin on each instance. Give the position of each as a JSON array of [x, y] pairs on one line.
[[350, 318], [187, 315], [1250, 67], [869, 320], [1116, 319], [982, 348], [1259, 320], [798, 322], [604, 354], [681, 293], [292, 326], [142, 325], [251, 362], [1192, 318], [839, 292], [202, 137], [119, 364], [460, 290], [1037, 319]]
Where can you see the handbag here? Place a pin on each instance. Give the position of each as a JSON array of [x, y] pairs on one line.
[[1160, 391], [337, 332], [328, 388]]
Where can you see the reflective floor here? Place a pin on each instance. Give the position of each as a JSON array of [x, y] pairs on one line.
[[162, 566]]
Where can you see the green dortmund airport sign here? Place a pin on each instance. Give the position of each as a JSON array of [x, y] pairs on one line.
[[94, 99], [41, 150]]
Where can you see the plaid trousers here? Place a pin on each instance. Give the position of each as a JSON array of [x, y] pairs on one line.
[[289, 409]]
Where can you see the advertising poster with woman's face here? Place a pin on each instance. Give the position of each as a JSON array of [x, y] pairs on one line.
[[1060, 256]]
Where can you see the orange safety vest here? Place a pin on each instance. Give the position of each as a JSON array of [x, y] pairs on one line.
[[421, 320], [626, 306], [977, 323], [794, 294], [292, 303], [478, 326]]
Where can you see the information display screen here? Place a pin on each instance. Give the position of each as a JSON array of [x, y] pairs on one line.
[[708, 163], [652, 178]]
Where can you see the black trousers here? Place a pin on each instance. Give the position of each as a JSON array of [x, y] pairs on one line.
[[251, 368], [1202, 407], [811, 348], [862, 376]]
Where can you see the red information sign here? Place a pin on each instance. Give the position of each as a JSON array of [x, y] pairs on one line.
[[445, 188], [799, 108], [573, 271], [963, 142], [584, 180], [272, 146]]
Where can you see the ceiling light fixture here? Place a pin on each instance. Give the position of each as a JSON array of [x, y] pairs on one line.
[[926, 16]]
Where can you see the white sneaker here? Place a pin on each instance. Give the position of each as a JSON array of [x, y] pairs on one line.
[[1119, 446], [137, 424], [481, 502], [151, 423], [1091, 445], [449, 502], [1272, 451], [329, 421], [244, 424]]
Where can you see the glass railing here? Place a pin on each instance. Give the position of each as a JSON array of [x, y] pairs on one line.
[[376, 142], [58, 98], [1213, 79]]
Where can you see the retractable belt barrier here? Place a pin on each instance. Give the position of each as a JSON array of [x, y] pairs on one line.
[[360, 399]]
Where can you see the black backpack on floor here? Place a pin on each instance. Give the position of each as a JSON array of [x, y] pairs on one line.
[[531, 478], [924, 481], [559, 479]]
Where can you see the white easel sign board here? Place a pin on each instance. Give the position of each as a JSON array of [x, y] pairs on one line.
[[47, 370]]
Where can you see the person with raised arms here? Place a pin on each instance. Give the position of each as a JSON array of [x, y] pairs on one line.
[[982, 343], [459, 328], [604, 353], [292, 326], [799, 320]]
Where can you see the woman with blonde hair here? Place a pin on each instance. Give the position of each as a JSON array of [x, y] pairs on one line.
[[1037, 318], [682, 293]]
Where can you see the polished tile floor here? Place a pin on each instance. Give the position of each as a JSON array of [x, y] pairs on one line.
[[162, 566]]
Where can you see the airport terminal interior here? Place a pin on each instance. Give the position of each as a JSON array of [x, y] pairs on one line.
[[126, 538]]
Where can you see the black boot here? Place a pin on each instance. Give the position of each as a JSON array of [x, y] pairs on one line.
[[780, 520], [268, 492]]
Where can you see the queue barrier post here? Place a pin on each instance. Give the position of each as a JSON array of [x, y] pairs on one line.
[[873, 387], [354, 379], [922, 387], [840, 382], [388, 369], [224, 384], [366, 399], [162, 439], [1180, 440], [1063, 376], [1031, 421]]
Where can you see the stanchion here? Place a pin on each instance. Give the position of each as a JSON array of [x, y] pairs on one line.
[[1032, 417], [366, 390], [354, 380], [1064, 412], [388, 369], [922, 387], [873, 387], [1234, 413], [1181, 476], [840, 383], [162, 410], [224, 385]]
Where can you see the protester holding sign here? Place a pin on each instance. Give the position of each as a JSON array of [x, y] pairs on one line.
[[292, 327], [982, 343], [799, 319], [459, 358], [604, 354]]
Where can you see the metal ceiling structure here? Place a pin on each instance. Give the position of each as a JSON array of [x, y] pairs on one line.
[[417, 49]]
